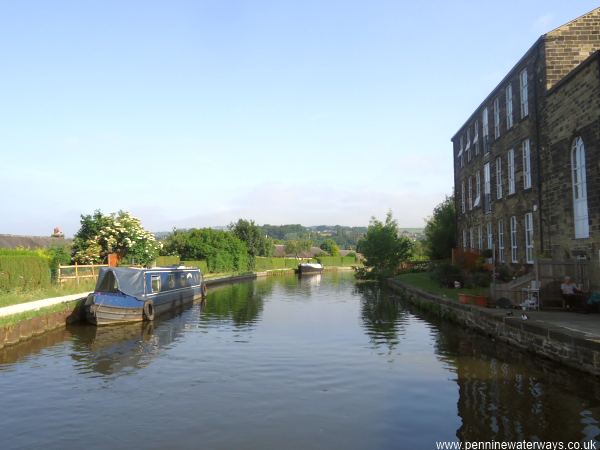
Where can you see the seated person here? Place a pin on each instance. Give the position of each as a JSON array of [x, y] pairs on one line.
[[573, 297]]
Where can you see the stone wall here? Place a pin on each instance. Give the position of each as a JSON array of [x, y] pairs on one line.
[[12, 334], [570, 44], [572, 110], [567, 347]]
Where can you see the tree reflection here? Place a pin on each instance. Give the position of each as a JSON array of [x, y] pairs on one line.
[[382, 315], [242, 302]]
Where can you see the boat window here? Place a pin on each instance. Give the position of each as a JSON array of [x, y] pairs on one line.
[[182, 280], [155, 283], [108, 283], [171, 281]]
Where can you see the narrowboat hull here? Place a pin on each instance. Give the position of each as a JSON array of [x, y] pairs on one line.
[[133, 295], [308, 269], [103, 314]]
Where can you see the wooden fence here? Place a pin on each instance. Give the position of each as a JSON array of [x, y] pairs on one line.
[[78, 272]]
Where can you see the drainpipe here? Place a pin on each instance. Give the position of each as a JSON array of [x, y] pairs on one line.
[[539, 151]]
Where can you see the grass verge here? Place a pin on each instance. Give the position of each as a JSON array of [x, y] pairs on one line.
[[423, 280], [7, 321], [16, 297]]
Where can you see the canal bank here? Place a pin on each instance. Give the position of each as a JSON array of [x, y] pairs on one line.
[[54, 313], [568, 338]]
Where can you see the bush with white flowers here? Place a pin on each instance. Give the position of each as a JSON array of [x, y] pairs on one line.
[[119, 233]]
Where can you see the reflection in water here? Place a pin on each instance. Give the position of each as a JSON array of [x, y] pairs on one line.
[[505, 394], [124, 348], [312, 362], [383, 315], [33, 346], [242, 303]]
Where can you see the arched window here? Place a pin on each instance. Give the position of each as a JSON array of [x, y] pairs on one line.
[[580, 205]]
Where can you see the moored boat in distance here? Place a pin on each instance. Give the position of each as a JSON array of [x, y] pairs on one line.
[[309, 268], [126, 294]]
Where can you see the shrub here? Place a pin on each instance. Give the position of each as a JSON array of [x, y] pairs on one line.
[[479, 279], [446, 274]]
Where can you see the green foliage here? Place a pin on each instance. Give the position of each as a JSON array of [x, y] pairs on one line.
[[119, 233], [262, 264], [446, 274], [297, 246], [23, 270], [256, 241], [383, 248], [423, 280], [337, 261], [169, 260], [222, 251], [197, 263], [440, 231], [330, 247], [58, 256]]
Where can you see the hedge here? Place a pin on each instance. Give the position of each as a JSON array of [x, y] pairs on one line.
[[261, 263], [199, 264], [339, 261], [167, 260], [23, 270]]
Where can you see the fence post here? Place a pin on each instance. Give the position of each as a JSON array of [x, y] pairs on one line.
[[76, 274]]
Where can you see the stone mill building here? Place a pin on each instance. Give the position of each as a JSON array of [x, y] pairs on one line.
[[527, 160]]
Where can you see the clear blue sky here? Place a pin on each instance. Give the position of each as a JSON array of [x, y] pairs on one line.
[[197, 113]]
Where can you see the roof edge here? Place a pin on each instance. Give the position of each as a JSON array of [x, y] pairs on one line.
[[586, 62], [497, 87]]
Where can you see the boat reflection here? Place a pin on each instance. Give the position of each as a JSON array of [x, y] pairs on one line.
[[125, 348]]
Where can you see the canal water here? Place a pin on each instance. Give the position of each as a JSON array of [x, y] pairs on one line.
[[286, 363]]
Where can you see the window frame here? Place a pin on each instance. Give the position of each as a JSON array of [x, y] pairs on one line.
[[581, 221], [462, 206], [501, 240], [496, 107], [514, 243], [512, 185], [499, 178], [523, 89], [528, 237], [526, 164], [509, 106], [485, 130]]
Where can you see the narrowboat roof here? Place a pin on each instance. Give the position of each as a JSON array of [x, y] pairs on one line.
[[129, 280]]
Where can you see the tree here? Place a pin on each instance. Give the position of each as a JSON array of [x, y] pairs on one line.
[[119, 233], [297, 246], [440, 231], [222, 251], [383, 247], [250, 233], [330, 247]]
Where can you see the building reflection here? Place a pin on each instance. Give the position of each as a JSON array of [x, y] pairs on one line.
[[509, 395]]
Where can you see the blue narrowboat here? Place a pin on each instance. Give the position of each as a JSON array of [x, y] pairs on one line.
[[126, 294]]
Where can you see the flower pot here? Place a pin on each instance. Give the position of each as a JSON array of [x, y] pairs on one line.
[[465, 299], [481, 300]]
